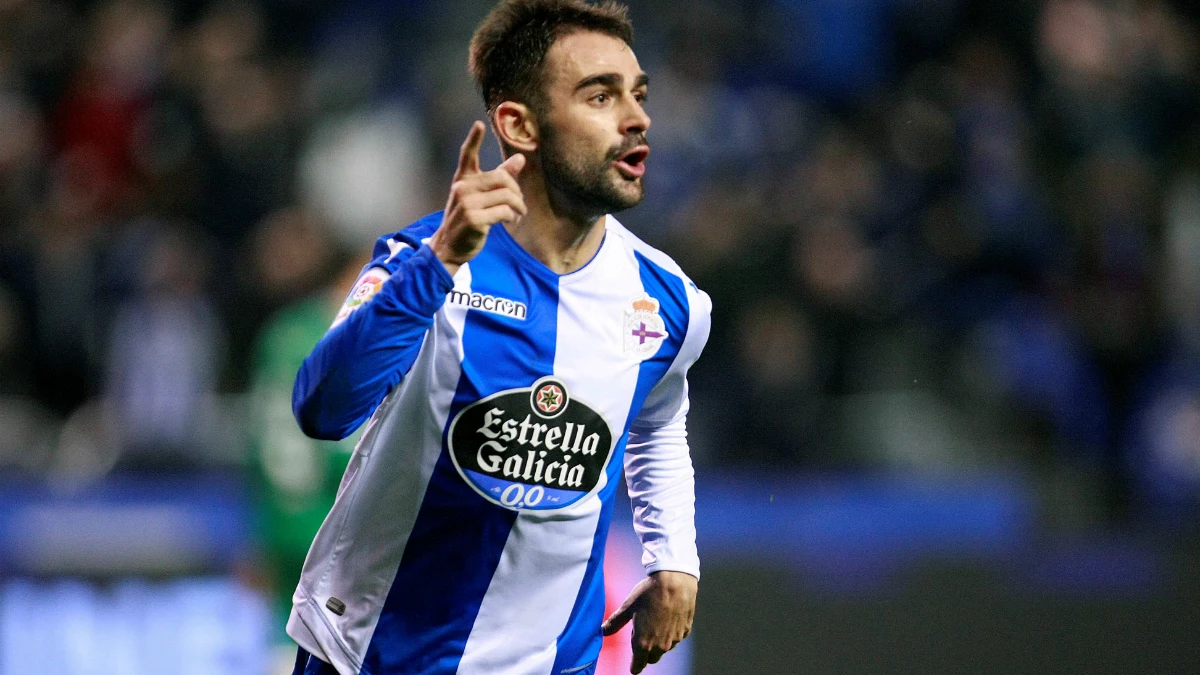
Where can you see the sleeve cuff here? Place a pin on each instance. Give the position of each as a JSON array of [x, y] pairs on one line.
[[666, 566], [420, 284], [427, 257]]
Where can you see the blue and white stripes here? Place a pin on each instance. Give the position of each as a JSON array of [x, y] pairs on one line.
[[435, 578]]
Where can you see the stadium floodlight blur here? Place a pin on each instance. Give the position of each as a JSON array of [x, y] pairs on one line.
[[955, 364]]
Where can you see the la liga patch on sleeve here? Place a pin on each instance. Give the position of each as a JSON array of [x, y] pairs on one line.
[[364, 289]]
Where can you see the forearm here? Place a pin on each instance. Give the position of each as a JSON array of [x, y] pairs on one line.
[[661, 483], [359, 360]]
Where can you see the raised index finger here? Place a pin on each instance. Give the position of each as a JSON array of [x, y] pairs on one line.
[[468, 158]]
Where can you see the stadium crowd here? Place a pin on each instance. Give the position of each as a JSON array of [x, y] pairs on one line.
[[939, 235]]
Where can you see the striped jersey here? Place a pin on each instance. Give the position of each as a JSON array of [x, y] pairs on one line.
[[503, 402]]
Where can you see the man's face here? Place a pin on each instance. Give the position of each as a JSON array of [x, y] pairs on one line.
[[593, 127]]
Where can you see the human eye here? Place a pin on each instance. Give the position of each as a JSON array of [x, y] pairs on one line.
[[600, 98], [640, 96]]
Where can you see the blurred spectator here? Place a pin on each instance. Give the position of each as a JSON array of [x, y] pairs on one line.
[[366, 172], [1182, 252], [287, 256], [939, 235], [21, 157], [299, 476], [27, 441], [775, 411], [165, 352], [58, 259], [95, 119], [1164, 453], [996, 201], [15, 375], [1116, 71]]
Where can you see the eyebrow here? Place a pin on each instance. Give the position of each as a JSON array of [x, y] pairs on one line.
[[612, 80]]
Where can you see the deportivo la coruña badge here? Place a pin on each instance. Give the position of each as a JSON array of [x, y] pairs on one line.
[[644, 330]]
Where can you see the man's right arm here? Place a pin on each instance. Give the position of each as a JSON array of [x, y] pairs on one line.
[[372, 344], [378, 333]]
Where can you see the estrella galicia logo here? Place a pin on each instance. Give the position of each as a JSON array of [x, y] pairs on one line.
[[531, 448]]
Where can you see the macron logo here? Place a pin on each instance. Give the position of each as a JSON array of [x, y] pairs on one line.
[[488, 303]]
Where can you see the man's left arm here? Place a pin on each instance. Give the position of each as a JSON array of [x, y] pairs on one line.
[[660, 479], [661, 484]]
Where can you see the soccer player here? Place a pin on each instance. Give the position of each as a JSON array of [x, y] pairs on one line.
[[513, 353]]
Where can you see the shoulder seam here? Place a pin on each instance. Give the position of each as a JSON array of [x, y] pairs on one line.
[[654, 255], [423, 227]]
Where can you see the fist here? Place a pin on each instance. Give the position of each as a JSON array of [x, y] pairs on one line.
[[478, 199]]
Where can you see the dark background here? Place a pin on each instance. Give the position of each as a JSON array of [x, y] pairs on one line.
[[948, 419]]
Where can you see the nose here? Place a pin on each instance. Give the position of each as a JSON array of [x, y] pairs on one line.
[[635, 120]]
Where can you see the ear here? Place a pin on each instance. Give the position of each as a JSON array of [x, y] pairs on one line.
[[514, 125]]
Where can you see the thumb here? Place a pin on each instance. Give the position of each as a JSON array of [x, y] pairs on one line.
[[514, 164], [623, 614], [617, 621]]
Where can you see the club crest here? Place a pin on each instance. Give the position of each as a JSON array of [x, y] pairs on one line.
[[644, 329]]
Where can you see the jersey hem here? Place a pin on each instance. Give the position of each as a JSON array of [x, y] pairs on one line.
[[301, 629]]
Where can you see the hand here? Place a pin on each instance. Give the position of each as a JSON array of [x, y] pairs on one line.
[[661, 607], [478, 199]]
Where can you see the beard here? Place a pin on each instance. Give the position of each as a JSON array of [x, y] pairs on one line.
[[591, 187]]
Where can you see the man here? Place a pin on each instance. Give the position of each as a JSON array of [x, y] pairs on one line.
[[516, 349]]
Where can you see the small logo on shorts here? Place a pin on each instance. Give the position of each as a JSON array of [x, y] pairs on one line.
[[336, 606]]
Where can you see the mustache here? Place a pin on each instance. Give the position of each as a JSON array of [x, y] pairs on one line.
[[631, 141]]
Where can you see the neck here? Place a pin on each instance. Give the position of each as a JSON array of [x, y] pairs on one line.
[[551, 231]]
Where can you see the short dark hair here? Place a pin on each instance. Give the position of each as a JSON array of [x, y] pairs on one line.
[[509, 48]]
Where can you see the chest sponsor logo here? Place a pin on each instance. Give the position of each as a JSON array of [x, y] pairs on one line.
[[531, 448], [644, 329], [488, 303]]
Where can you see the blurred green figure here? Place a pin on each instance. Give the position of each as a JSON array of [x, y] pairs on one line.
[[296, 477]]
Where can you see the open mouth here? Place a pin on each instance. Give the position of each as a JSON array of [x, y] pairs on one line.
[[633, 163]]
